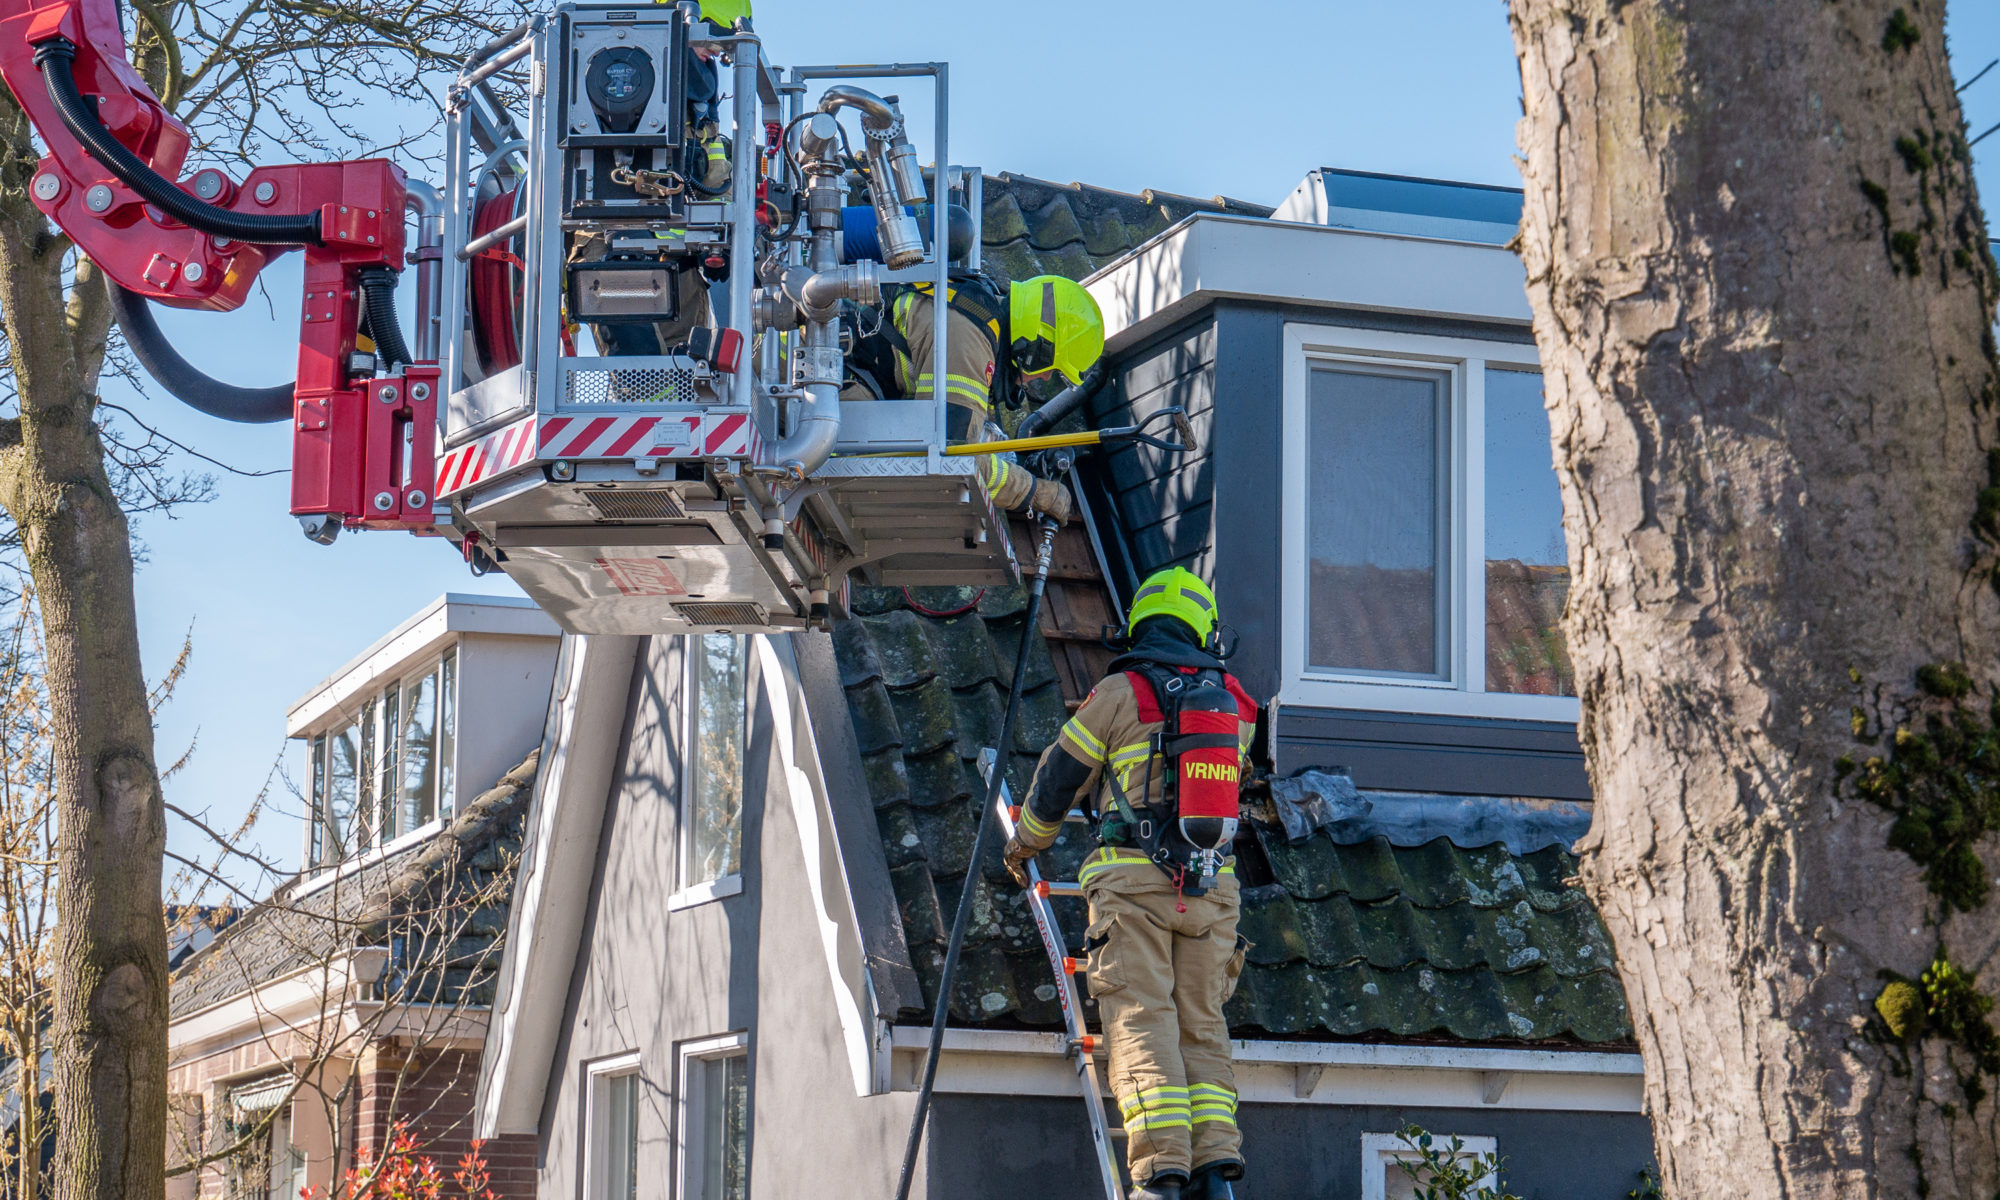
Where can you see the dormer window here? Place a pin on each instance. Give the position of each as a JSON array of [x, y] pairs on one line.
[[386, 771], [1424, 555]]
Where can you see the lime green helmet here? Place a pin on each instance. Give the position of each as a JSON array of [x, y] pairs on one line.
[[1175, 592], [1054, 323], [723, 14]]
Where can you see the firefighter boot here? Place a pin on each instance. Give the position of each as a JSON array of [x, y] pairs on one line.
[[1212, 1181], [1164, 1186]]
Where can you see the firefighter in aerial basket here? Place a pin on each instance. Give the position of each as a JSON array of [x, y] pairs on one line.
[[999, 340], [1156, 753]]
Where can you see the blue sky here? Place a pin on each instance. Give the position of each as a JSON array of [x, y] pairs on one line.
[[1125, 94]]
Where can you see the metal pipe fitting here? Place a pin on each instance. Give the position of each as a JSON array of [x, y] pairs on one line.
[[894, 180], [819, 293], [876, 114], [428, 205]]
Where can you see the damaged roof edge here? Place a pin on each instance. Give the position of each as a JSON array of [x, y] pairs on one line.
[[586, 723]]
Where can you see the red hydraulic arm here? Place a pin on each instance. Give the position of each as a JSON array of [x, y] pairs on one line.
[[362, 447]]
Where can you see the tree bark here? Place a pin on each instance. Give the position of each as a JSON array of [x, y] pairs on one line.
[[110, 1022], [1763, 297]]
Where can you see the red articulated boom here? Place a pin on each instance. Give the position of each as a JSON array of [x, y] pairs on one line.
[[363, 445]]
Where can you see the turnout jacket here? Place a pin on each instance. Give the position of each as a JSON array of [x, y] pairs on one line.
[[1108, 745], [903, 372]]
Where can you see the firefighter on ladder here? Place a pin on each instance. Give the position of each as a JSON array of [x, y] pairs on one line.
[[1037, 328], [1163, 737]]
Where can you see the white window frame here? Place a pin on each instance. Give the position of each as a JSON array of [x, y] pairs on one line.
[[687, 894], [597, 1076], [692, 1097], [378, 776], [1380, 1152], [1463, 691]]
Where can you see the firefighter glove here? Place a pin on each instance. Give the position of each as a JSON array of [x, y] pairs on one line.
[[1051, 499], [1017, 856]]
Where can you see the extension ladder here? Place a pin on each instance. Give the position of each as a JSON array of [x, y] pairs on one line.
[[1083, 1045]]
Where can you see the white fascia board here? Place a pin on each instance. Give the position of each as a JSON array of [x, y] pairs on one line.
[[553, 881], [454, 613], [834, 913], [1016, 1063], [298, 1001], [1208, 257]]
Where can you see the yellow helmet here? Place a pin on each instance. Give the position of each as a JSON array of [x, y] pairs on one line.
[[724, 13], [1054, 323], [1175, 592]]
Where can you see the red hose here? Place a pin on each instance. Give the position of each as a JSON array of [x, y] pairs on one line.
[[494, 304]]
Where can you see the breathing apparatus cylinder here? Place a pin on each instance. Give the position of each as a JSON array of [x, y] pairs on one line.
[[1207, 768]]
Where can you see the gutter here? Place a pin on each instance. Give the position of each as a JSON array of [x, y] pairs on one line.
[[1031, 1063]]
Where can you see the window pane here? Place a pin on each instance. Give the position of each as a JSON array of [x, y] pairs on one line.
[[1527, 568], [369, 827], [418, 751], [619, 1179], [715, 824], [1375, 535], [316, 835], [725, 1120], [447, 745], [384, 778], [343, 789]]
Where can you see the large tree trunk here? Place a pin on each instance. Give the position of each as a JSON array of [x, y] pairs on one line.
[[110, 1021], [1762, 294]]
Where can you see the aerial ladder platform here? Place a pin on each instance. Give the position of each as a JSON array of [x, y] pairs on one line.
[[721, 483]]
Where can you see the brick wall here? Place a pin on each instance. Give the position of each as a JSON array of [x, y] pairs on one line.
[[431, 1094]]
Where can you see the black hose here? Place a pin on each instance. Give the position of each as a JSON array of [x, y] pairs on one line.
[[183, 379], [378, 294], [495, 46], [1066, 401], [57, 60], [1004, 750]]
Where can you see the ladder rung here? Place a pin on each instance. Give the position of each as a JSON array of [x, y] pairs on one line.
[[1052, 887]]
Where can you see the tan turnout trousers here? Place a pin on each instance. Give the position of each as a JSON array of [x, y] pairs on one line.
[[1160, 977]]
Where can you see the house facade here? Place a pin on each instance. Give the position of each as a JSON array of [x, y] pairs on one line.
[[743, 853], [353, 1000]]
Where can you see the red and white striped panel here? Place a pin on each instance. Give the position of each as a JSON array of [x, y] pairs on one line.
[[690, 435], [483, 458]]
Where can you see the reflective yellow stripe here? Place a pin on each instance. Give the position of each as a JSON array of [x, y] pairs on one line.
[[1213, 1102], [716, 151], [1035, 827], [998, 481], [1115, 856], [1083, 739], [1156, 1108], [1136, 752], [955, 385]]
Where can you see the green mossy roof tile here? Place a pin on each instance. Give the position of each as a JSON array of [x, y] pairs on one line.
[[1001, 219], [1055, 226]]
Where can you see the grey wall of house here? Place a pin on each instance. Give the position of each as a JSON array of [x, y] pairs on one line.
[[647, 979], [1002, 1147], [812, 1134], [503, 697], [1225, 365]]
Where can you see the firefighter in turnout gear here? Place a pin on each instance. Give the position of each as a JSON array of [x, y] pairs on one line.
[[1043, 326], [1155, 754]]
